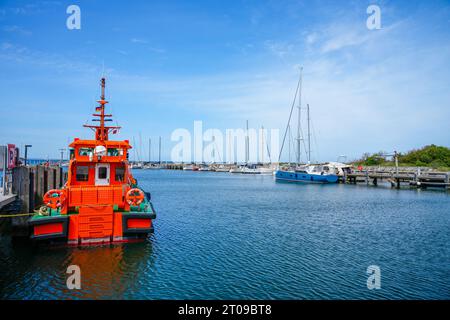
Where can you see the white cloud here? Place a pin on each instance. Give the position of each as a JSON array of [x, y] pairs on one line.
[[312, 38], [137, 40]]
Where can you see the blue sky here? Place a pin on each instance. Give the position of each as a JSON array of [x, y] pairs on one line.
[[169, 63]]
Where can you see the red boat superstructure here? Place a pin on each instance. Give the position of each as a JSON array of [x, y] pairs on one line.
[[100, 201]]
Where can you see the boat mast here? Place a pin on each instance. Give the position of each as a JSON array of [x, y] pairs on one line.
[[289, 143], [102, 131], [309, 135], [159, 154], [102, 112], [135, 150], [149, 150], [299, 137], [288, 125], [246, 145], [262, 144], [140, 146]]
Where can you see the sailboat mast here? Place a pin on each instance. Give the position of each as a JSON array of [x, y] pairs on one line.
[[289, 143], [299, 137], [135, 149], [149, 150], [309, 135], [159, 153], [262, 144], [246, 145], [230, 161]]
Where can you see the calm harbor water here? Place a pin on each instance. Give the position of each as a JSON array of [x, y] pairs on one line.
[[223, 236]]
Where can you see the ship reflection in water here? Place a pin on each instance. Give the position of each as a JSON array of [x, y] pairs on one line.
[[107, 271], [223, 236]]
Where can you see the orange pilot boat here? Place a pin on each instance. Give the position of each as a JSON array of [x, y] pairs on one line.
[[101, 201]]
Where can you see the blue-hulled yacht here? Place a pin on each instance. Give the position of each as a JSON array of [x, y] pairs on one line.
[[308, 174], [305, 173]]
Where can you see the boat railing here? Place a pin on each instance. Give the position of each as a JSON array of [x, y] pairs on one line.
[[96, 195]]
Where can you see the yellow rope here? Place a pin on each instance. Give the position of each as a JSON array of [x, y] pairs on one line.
[[15, 215]]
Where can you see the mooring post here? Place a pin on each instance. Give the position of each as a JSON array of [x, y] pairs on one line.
[[31, 195], [26, 190], [51, 178], [447, 180], [40, 172], [396, 162], [58, 177]]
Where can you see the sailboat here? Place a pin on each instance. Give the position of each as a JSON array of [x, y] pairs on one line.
[[150, 165], [307, 172]]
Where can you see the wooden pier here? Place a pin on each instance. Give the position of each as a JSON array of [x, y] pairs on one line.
[[172, 166], [29, 184], [6, 198], [413, 178]]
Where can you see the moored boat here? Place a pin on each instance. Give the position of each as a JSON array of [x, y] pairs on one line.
[[306, 172], [309, 174], [221, 168], [190, 167], [204, 168], [236, 169], [250, 169], [264, 170], [101, 201]]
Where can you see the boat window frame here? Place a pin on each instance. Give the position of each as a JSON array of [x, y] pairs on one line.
[[88, 149], [119, 167], [77, 175], [100, 171], [118, 152]]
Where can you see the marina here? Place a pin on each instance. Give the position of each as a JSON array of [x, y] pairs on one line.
[[225, 240], [224, 160], [413, 177]]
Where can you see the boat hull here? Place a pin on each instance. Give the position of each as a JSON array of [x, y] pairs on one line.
[[89, 228], [302, 177]]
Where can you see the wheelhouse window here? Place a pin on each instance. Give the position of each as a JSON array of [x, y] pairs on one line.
[[102, 173], [82, 173], [85, 151], [120, 174], [114, 152]]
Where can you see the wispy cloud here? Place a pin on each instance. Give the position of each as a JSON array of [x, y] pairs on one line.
[[137, 40], [145, 42], [337, 37], [157, 50], [16, 29], [280, 49], [52, 61]]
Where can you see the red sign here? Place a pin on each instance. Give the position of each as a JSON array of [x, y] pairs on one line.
[[12, 156]]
